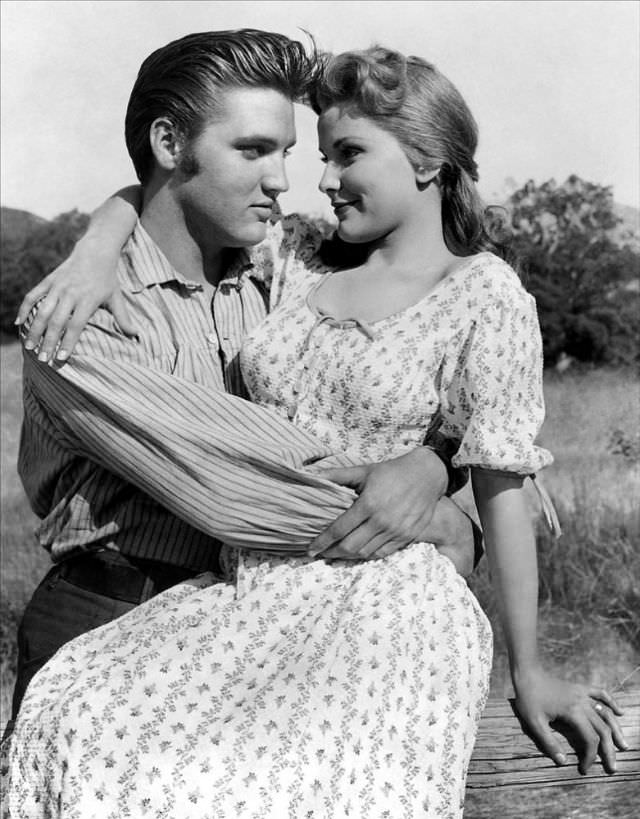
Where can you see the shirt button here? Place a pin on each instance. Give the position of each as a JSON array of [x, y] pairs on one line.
[[211, 338]]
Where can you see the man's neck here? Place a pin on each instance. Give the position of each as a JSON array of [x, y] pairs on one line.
[[164, 221]]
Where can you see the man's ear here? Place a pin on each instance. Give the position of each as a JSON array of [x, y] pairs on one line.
[[424, 178], [165, 142]]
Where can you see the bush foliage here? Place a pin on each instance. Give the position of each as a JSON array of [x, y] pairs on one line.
[[567, 241], [581, 268]]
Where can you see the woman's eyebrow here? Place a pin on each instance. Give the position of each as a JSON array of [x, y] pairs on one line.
[[349, 138], [266, 141]]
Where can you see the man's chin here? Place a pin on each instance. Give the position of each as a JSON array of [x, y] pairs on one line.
[[253, 235]]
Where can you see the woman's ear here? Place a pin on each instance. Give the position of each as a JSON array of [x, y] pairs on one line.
[[165, 142], [424, 178]]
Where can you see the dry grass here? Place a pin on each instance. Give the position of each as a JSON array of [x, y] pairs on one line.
[[590, 577], [22, 562]]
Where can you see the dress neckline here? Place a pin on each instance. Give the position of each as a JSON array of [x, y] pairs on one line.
[[352, 321]]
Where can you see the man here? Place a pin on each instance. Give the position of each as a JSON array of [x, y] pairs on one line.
[[115, 447]]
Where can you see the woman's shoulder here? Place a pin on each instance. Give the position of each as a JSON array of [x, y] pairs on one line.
[[293, 234], [488, 280], [288, 256]]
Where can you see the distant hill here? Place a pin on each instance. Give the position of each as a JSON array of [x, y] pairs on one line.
[[16, 225]]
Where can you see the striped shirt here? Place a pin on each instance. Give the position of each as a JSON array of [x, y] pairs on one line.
[[134, 445]]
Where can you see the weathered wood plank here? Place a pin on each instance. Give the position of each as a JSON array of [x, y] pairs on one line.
[[505, 756]]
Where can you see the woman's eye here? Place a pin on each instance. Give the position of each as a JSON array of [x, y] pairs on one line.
[[349, 154]]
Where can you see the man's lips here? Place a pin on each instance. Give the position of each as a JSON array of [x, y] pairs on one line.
[[263, 208]]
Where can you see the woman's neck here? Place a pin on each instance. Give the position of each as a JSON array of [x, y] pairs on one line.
[[416, 250]]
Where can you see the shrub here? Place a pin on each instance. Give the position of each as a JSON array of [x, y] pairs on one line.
[[581, 269]]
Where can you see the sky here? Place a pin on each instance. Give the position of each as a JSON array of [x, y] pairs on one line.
[[554, 86]]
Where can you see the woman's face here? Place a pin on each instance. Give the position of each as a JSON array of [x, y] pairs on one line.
[[368, 177]]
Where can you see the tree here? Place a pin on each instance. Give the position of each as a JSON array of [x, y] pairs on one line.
[[583, 276]]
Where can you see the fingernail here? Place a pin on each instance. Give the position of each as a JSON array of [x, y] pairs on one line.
[[17, 321], [29, 345], [560, 759], [43, 356], [62, 355]]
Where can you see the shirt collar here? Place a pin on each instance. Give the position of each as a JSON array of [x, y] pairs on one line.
[[239, 265], [148, 266]]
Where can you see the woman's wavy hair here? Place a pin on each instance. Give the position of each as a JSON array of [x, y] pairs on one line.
[[424, 111], [186, 79]]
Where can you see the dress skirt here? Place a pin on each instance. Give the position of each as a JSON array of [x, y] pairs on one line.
[[299, 689]]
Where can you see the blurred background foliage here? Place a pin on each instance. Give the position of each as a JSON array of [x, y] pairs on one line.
[[582, 264]]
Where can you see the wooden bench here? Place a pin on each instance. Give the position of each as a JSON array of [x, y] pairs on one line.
[[504, 757]]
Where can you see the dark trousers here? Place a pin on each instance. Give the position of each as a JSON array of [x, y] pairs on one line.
[[81, 594]]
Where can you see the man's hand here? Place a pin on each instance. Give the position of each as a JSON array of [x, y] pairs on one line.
[[398, 504]]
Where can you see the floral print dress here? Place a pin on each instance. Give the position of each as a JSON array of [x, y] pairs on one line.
[[300, 688]]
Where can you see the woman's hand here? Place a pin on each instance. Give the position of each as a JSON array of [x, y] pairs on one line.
[[68, 297], [589, 711]]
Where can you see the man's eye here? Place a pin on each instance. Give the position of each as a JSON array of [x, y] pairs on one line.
[[252, 151]]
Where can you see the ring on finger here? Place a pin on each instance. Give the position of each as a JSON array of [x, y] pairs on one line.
[[599, 707]]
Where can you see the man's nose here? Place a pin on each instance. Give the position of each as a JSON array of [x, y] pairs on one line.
[[275, 179]]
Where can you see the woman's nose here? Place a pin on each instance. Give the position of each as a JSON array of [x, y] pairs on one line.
[[330, 179]]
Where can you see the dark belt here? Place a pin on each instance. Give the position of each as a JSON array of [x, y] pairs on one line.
[[129, 579]]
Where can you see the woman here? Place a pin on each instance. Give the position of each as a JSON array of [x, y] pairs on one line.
[[312, 688]]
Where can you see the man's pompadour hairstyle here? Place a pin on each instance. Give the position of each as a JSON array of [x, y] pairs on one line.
[[184, 81]]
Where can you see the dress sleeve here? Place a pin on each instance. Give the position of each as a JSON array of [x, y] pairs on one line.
[[287, 256], [493, 401]]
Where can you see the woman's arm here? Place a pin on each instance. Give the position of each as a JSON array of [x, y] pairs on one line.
[[540, 697], [69, 296]]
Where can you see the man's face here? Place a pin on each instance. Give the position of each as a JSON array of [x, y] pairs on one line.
[[234, 170]]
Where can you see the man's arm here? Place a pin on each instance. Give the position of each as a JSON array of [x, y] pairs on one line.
[[229, 468]]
